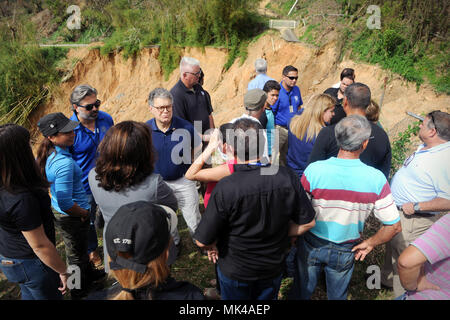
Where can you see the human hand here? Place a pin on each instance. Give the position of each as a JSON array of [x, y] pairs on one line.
[[213, 254], [63, 277], [362, 250], [408, 208], [214, 139]]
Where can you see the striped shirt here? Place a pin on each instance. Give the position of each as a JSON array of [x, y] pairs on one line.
[[344, 192], [435, 246]]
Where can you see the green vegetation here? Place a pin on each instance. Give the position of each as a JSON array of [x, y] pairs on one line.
[[401, 146], [27, 72]]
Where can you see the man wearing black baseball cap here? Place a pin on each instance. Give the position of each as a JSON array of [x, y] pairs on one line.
[[138, 238]]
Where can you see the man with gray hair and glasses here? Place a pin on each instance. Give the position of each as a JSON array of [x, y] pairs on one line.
[[421, 190], [344, 192], [190, 101], [175, 141], [88, 134], [261, 76]]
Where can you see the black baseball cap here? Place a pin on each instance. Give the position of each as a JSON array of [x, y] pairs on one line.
[[53, 123], [141, 229]]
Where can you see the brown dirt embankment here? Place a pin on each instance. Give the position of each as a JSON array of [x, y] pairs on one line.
[[123, 85]]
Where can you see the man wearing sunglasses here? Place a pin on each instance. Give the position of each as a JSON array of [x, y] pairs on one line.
[[190, 99], [88, 134], [421, 191], [287, 105]]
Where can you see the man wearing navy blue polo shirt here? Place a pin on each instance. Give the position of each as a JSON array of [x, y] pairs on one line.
[[174, 140], [88, 134], [287, 105]]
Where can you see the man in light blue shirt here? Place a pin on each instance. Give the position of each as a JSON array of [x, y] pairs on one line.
[[421, 190], [261, 76]]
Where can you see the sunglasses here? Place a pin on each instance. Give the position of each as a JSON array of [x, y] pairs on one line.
[[292, 78], [91, 106]]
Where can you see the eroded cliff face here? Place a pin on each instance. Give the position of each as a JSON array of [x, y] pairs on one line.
[[124, 85]]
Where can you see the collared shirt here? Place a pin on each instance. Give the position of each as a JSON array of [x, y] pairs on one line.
[[282, 108], [65, 177], [425, 175], [192, 105], [259, 81], [84, 149], [174, 147], [248, 214], [344, 192]]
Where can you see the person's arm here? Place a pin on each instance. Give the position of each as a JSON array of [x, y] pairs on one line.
[[193, 172], [410, 270], [435, 205], [299, 229], [386, 233], [211, 122], [64, 190], [46, 252]]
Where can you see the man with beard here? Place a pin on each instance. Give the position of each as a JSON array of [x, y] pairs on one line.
[[88, 134], [347, 78]]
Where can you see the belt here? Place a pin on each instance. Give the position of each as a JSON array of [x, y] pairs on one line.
[[419, 214]]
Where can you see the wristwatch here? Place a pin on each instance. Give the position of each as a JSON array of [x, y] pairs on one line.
[[416, 207]]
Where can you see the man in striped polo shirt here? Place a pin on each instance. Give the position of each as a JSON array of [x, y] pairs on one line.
[[344, 192]]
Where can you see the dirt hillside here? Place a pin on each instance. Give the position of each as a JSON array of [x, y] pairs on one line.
[[123, 85]]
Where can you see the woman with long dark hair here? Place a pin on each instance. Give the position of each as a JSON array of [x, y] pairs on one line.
[[27, 233], [124, 173], [69, 201]]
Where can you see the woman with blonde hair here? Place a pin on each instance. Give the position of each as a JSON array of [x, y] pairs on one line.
[[138, 239], [305, 127]]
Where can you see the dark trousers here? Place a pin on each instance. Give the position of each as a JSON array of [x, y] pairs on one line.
[[75, 236]]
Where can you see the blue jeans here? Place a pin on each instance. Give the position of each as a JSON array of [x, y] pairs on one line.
[[36, 280], [92, 234], [337, 261], [253, 290]]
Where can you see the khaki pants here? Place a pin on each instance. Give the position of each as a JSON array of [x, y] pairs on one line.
[[413, 226]]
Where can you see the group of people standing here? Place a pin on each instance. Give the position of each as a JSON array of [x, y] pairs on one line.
[[287, 194]]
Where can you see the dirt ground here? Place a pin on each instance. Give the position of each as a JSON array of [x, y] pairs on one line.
[[124, 85]]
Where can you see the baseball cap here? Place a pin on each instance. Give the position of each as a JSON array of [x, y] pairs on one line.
[[141, 229], [254, 99], [53, 123]]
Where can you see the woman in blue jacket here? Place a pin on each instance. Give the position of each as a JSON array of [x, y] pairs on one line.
[[69, 201]]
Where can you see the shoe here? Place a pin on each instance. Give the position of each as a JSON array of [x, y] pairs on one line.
[[95, 259], [78, 294]]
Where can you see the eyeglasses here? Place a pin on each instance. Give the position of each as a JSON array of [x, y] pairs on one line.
[[292, 78], [91, 106], [197, 74], [162, 108]]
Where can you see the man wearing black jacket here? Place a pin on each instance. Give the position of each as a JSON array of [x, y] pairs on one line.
[[378, 151]]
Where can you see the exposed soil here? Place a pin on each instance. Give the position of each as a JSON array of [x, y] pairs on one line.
[[123, 85]]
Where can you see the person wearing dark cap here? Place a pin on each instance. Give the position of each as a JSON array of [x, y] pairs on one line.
[[254, 101], [337, 91], [138, 238], [69, 200]]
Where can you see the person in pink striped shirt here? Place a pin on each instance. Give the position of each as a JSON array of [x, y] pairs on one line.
[[424, 266]]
